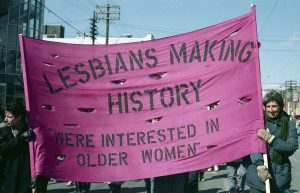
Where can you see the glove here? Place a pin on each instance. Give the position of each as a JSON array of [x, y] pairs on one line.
[[263, 173], [265, 135], [27, 135]]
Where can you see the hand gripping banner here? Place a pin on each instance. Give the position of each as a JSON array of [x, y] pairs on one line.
[[137, 110]]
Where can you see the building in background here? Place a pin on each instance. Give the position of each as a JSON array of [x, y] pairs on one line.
[[54, 31], [85, 39], [16, 17]]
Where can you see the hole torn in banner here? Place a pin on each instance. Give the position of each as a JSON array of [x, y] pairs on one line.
[[48, 64], [234, 33], [55, 55], [71, 125], [157, 76], [213, 105], [211, 146], [118, 82], [61, 157], [48, 107], [244, 100], [86, 110], [154, 120]]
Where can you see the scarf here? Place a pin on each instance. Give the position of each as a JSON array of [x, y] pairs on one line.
[[282, 121]]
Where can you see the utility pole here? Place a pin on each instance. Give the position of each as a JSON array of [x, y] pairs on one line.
[[290, 87], [94, 31], [108, 13]]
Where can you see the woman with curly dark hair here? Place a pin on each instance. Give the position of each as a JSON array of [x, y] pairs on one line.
[[281, 138]]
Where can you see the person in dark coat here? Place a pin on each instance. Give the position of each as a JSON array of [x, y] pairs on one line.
[[14, 151], [82, 187], [281, 137], [115, 187], [39, 184], [192, 186], [176, 183], [236, 175]]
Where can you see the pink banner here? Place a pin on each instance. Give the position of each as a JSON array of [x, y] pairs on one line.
[[131, 111]]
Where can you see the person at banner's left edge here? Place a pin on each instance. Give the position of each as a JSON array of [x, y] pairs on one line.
[[14, 150]]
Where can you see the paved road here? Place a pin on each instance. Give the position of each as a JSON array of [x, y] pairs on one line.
[[215, 182]]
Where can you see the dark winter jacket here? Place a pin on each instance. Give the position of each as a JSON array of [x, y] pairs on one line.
[[281, 172], [176, 183], [16, 168]]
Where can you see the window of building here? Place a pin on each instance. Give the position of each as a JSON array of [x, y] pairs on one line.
[[31, 22], [33, 2], [2, 94], [13, 4], [19, 93], [9, 99], [3, 14], [14, 15], [17, 16], [22, 28], [2, 57], [18, 62], [23, 9], [11, 61], [12, 37], [30, 32], [10, 89], [3, 34]]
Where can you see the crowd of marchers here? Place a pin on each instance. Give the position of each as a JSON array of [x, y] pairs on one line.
[[280, 135]]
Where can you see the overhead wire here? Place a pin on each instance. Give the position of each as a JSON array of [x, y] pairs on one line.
[[288, 65], [86, 3], [274, 50], [91, 6], [118, 25], [268, 17], [158, 29], [68, 22], [124, 18], [60, 18], [74, 21], [280, 40], [104, 22], [74, 5]]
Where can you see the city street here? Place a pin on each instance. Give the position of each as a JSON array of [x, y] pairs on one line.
[[215, 182]]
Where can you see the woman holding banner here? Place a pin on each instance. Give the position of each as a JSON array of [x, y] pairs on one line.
[[14, 150], [281, 137]]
